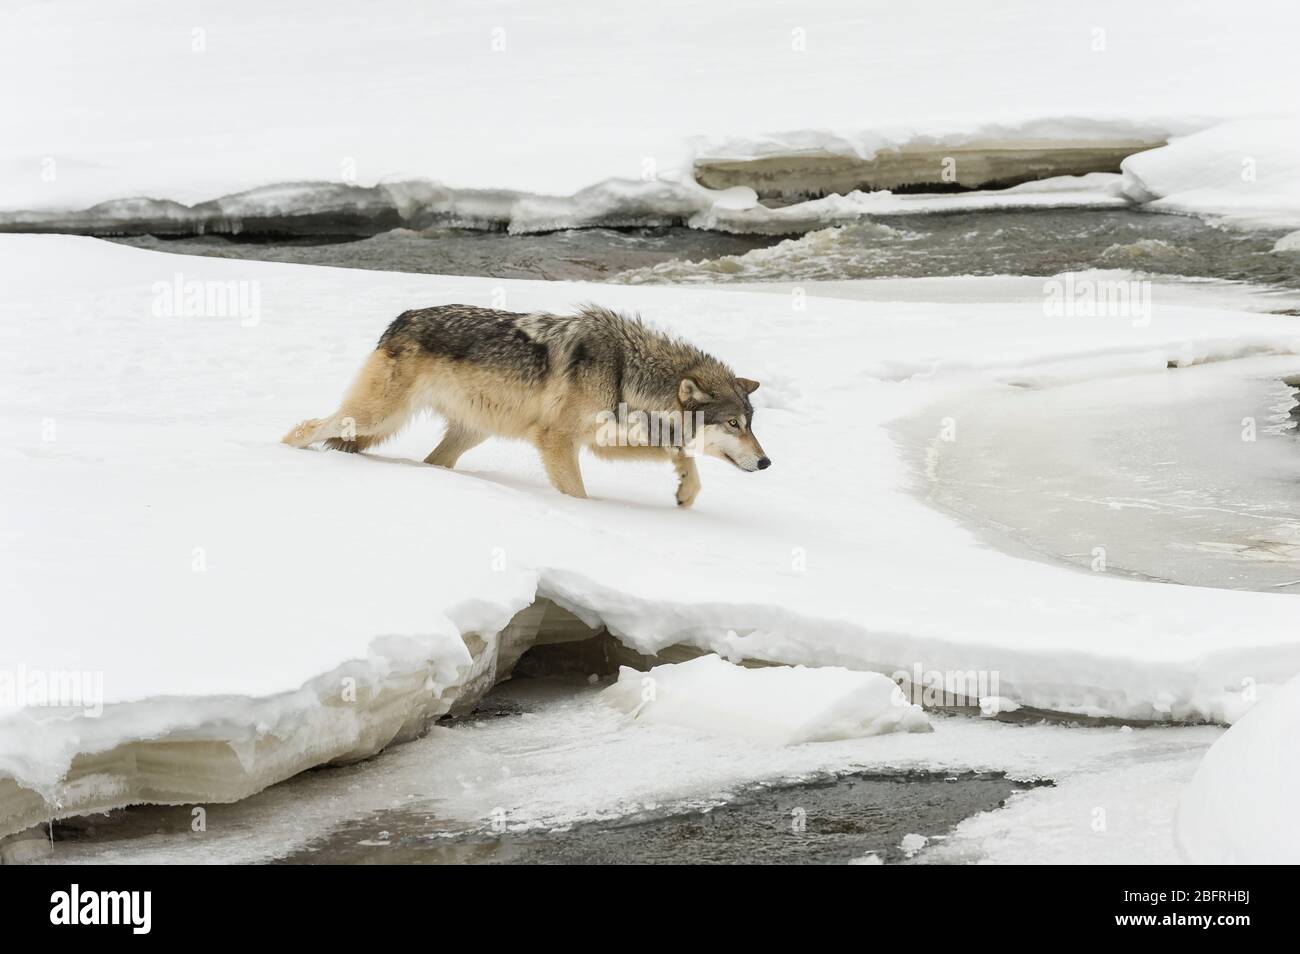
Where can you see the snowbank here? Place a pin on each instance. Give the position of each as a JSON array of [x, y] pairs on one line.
[[561, 100], [1245, 173], [1240, 805], [780, 705], [216, 584]]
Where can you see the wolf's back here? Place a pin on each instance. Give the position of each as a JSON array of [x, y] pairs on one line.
[[467, 333]]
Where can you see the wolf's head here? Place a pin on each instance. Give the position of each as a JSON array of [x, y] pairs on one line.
[[726, 419]]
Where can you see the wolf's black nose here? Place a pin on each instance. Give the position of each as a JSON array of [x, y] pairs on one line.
[[764, 463]]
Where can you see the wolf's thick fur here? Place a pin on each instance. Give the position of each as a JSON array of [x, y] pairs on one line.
[[554, 380]]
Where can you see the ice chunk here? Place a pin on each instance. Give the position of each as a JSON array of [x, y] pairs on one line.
[[1288, 243], [912, 843], [994, 705], [782, 705]]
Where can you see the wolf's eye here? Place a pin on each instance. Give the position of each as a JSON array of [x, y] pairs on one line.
[[733, 423]]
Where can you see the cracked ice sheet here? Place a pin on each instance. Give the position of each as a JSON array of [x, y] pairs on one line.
[[167, 431], [571, 758]]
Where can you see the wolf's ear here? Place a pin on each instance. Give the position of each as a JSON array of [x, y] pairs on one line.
[[688, 392], [749, 386]]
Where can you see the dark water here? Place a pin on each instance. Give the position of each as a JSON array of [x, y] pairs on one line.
[[1025, 242], [1018, 242], [829, 821], [575, 255]]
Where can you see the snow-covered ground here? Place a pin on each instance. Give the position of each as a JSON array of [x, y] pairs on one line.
[[572, 113], [229, 592]]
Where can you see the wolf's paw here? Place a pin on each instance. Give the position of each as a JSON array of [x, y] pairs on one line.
[[687, 492], [301, 434]]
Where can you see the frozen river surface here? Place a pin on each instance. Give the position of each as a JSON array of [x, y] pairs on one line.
[[1191, 475]]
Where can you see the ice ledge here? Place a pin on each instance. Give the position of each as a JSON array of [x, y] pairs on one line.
[[170, 751], [919, 166]]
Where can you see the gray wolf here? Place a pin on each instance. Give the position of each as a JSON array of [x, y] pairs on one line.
[[594, 380]]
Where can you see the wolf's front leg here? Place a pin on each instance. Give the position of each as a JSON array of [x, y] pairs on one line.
[[455, 442], [688, 478], [560, 457]]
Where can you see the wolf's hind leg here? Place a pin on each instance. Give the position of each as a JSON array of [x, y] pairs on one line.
[[375, 408], [305, 434], [344, 431], [455, 442], [688, 478], [560, 457]]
